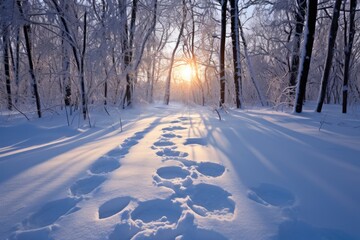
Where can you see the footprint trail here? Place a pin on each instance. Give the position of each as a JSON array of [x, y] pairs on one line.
[[169, 218], [40, 224]]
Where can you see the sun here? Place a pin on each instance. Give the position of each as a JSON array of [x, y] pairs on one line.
[[186, 72]]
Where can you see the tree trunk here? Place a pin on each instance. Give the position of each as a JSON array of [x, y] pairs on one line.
[[148, 33], [65, 60], [105, 87], [82, 77], [234, 11], [128, 58], [222, 52], [77, 56], [348, 50], [330, 54], [168, 79], [306, 55], [27, 29], [300, 15], [17, 63], [7, 65], [153, 67]]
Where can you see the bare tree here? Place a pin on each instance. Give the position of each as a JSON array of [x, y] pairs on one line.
[[250, 66], [79, 55], [128, 55], [65, 56], [6, 44], [306, 55], [300, 15], [82, 71], [222, 52], [349, 41], [235, 36], [168, 79], [27, 30], [330, 54]]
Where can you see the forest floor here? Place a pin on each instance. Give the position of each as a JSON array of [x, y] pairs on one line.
[[178, 172]]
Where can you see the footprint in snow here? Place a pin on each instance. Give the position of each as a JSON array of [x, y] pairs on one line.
[[168, 152], [268, 194], [172, 172], [157, 210], [189, 123], [113, 207], [86, 185], [207, 169], [173, 177], [173, 128], [170, 135], [140, 135], [183, 118], [210, 201], [210, 169], [196, 141], [175, 121], [123, 149], [118, 152], [163, 143], [129, 142], [104, 165], [50, 212]]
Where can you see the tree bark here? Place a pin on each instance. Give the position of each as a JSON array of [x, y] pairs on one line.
[[348, 50], [128, 58], [300, 15], [82, 77], [65, 59], [234, 11], [306, 55], [330, 53], [7, 64], [27, 29], [17, 63], [222, 52]]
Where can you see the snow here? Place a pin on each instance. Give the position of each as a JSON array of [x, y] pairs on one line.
[[177, 172]]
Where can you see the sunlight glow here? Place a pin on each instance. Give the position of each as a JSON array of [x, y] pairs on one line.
[[186, 72]]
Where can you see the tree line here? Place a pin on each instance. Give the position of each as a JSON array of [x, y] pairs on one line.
[[75, 54]]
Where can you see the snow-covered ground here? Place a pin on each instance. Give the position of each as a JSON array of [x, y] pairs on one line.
[[178, 172]]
